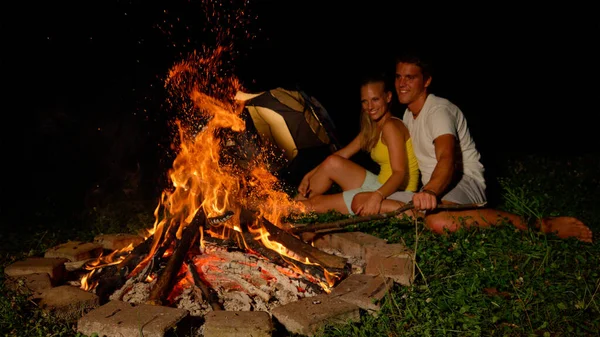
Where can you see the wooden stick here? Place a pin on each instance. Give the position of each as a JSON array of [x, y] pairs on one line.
[[209, 294], [315, 227], [166, 280]]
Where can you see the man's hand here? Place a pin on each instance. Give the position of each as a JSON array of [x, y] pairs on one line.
[[425, 200], [372, 205]]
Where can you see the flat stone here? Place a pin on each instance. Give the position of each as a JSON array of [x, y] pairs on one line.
[[349, 243], [34, 284], [387, 250], [309, 315], [68, 302], [54, 267], [74, 251], [122, 319], [238, 324], [392, 261], [118, 241], [365, 291]]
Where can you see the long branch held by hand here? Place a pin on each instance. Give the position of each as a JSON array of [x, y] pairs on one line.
[[350, 221]]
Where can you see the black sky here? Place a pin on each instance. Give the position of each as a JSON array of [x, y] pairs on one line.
[[524, 77], [506, 66]]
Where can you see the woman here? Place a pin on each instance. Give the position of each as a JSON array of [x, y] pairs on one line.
[[387, 139]]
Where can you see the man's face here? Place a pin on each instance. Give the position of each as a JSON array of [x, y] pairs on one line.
[[374, 99], [409, 83]]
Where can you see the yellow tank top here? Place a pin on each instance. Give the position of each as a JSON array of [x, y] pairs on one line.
[[381, 156]]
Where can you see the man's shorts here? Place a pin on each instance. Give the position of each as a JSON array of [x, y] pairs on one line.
[[370, 184], [466, 191]]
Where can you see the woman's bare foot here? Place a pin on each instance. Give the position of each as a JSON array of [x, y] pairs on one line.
[[308, 206], [566, 227], [300, 197]]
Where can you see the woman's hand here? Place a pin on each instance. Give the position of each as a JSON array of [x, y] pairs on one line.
[[304, 187], [372, 205]]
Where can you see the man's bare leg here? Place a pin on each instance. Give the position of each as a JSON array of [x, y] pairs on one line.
[[438, 222]]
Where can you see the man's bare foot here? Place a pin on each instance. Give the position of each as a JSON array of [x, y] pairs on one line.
[[566, 227]]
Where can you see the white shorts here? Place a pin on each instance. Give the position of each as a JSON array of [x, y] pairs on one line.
[[466, 191], [370, 184]]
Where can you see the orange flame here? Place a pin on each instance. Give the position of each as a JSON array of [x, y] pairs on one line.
[[201, 177]]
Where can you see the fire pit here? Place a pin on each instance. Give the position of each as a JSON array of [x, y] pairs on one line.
[[218, 242]]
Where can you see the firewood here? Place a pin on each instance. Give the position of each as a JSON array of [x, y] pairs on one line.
[[113, 277], [303, 249], [209, 294], [166, 279], [314, 270]]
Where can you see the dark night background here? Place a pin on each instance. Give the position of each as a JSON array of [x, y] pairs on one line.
[[82, 99]]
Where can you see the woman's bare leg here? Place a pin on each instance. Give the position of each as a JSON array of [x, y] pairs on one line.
[[325, 203], [335, 169]]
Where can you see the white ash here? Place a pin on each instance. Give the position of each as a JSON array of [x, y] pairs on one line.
[[242, 281], [191, 300], [247, 282], [358, 264], [135, 292], [237, 301]]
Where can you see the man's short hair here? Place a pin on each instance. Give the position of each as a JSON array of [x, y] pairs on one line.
[[417, 58]]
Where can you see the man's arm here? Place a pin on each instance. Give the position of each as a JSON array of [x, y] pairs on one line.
[[444, 169], [442, 173]]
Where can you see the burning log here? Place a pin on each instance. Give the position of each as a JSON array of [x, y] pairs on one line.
[[114, 277], [335, 225], [166, 280], [209, 294], [302, 249], [314, 270]]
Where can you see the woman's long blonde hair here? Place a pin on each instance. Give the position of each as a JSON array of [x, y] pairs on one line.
[[369, 135]]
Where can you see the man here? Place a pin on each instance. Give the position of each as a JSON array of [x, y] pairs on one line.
[[451, 171]]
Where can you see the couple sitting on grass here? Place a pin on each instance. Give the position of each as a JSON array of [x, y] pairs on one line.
[[433, 139]]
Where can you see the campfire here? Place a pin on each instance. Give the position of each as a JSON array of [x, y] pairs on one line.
[[218, 241]]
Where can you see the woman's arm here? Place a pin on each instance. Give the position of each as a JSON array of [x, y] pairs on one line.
[[394, 136]]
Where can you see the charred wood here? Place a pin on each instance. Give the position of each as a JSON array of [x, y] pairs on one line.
[[313, 270], [114, 277], [208, 293], [303, 249], [166, 279]]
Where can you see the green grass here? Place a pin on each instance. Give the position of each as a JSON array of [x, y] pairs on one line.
[[478, 282]]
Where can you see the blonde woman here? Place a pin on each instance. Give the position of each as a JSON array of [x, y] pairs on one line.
[[387, 140]]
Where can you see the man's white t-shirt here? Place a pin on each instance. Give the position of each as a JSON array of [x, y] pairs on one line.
[[439, 117]]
